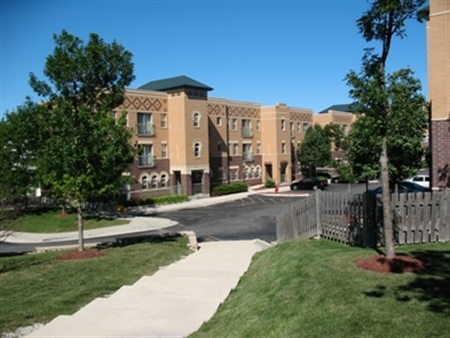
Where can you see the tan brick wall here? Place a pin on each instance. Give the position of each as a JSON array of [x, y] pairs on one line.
[[438, 45]]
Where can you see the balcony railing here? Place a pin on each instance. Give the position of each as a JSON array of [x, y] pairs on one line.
[[145, 129], [146, 161], [247, 156], [247, 132]]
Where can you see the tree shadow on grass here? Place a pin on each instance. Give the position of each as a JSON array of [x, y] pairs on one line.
[[126, 241], [431, 286]]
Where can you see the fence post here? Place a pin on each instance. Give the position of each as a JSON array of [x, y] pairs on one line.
[[318, 220]]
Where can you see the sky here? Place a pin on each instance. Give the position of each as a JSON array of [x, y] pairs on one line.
[[267, 52]]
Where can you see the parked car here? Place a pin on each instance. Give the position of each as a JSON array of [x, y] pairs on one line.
[[403, 187], [309, 183], [422, 180]]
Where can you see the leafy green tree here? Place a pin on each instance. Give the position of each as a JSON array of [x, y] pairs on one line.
[[335, 133], [315, 150], [85, 150], [384, 21], [18, 146], [18, 163]]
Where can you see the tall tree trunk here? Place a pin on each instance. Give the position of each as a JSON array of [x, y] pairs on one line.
[[80, 228], [387, 212]]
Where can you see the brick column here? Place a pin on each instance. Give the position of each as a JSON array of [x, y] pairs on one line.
[[440, 150]]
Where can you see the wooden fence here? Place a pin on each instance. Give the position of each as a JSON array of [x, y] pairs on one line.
[[357, 219]]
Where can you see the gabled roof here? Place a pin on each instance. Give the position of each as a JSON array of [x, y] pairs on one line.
[[174, 82], [346, 108]]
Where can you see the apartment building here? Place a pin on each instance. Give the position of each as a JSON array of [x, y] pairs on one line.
[[188, 142], [340, 114], [438, 45]]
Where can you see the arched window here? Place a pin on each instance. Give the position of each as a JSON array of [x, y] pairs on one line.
[[196, 119], [144, 182], [252, 172], [154, 182], [246, 173], [258, 172], [163, 180], [197, 149]]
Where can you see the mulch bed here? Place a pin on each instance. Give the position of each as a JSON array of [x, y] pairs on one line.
[[86, 254], [398, 264]]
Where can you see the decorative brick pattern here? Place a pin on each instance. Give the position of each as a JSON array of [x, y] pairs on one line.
[[244, 112], [144, 104], [216, 109], [301, 117]]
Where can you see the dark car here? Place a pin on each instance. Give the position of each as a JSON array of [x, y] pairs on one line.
[[403, 188], [309, 183]]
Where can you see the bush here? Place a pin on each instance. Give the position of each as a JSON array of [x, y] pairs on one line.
[[227, 189], [269, 183], [161, 200]]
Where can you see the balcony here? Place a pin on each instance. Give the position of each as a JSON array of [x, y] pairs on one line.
[[247, 156], [247, 132], [145, 129], [148, 161]]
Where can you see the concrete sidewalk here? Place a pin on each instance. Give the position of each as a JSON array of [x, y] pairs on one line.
[[174, 302], [137, 225]]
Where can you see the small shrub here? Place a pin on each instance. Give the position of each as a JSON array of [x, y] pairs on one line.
[[226, 189], [269, 183], [170, 199]]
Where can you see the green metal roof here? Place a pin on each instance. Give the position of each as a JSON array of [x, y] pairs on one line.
[[174, 82], [346, 108]]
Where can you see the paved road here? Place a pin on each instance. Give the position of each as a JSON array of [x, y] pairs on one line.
[[247, 218]]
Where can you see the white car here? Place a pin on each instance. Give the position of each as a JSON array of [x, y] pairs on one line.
[[422, 180]]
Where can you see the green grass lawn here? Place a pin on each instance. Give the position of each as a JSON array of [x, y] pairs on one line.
[[311, 288], [53, 220], [36, 288]]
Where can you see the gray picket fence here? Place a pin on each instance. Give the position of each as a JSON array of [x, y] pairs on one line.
[[357, 219]]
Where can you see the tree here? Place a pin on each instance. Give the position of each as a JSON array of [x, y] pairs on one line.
[[315, 150], [370, 89], [18, 162], [85, 150]]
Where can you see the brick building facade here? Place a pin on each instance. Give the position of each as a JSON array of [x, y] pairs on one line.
[[438, 43], [189, 142]]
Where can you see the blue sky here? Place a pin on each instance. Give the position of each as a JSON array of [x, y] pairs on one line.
[[295, 52]]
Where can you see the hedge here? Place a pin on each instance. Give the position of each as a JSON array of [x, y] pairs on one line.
[[226, 189]]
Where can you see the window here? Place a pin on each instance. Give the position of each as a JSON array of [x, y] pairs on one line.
[[196, 119], [146, 158], [234, 124], [163, 120], [246, 173], [299, 127], [305, 127], [154, 182], [252, 172], [236, 174], [144, 124], [219, 121], [219, 146], [144, 182], [163, 150], [283, 147], [258, 148], [258, 125], [235, 149], [258, 172], [345, 129], [164, 181], [197, 149], [283, 124], [220, 174]]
